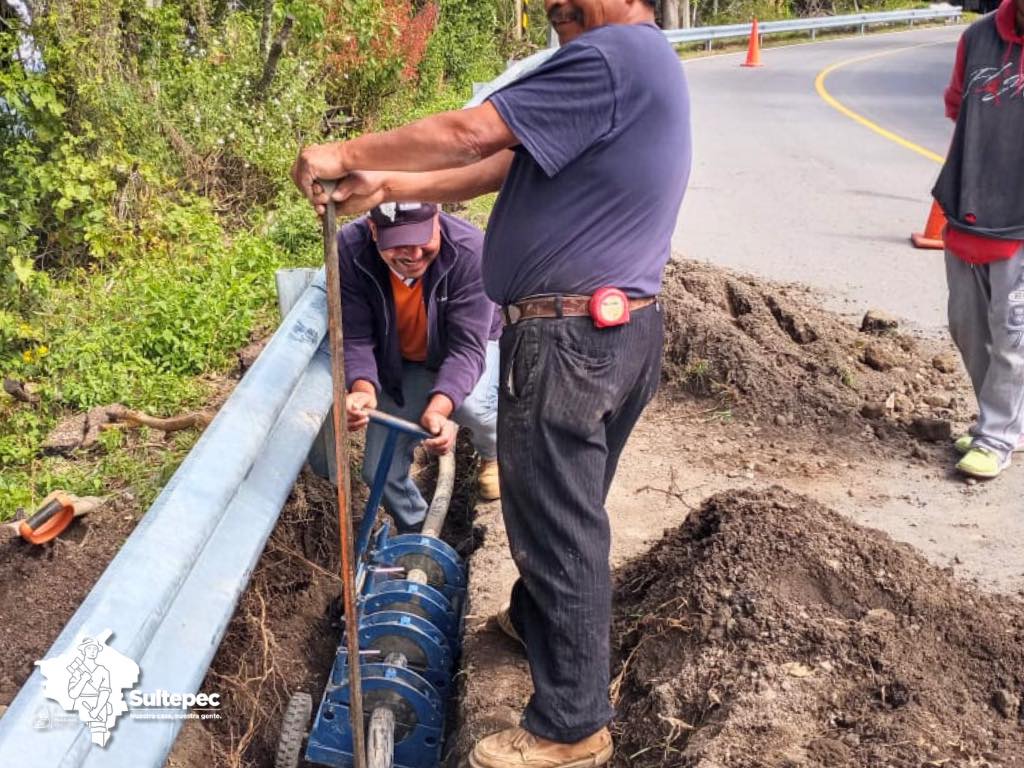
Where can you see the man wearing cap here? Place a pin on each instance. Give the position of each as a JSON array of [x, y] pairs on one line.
[[420, 341], [591, 153]]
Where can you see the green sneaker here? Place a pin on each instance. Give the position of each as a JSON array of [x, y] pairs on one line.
[[982, 463], [963, 444]]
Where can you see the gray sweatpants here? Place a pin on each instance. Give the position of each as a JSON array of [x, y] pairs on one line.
[[986, 320], [478, 413]]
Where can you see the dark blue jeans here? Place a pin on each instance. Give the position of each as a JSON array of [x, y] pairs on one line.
[[569, 397]]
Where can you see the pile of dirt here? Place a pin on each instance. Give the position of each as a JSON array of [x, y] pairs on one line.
[[770, 353], [769, 631], [42, 586]]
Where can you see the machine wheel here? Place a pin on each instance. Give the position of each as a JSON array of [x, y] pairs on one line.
[[380, 739], [294, 729]]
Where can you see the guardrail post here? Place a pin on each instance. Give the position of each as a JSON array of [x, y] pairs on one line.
[[814, 33], [863, 28], [290, 285]]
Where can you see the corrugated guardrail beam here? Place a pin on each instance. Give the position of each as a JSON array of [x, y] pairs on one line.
[[143, 584]]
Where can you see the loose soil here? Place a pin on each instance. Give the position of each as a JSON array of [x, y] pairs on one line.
[[42, 586], [758, 382], [771, 355], [768, 630]]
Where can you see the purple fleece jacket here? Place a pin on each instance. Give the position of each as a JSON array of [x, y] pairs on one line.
[[460, 317]]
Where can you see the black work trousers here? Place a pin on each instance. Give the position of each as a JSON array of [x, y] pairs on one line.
[[569, 397]]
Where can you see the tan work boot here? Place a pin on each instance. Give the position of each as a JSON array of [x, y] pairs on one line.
[[518, 748], [487, 480], [503, 619]]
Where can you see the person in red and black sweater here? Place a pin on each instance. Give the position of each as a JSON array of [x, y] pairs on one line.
[[980, 191]]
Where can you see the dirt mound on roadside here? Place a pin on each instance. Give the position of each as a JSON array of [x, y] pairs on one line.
[[767, 352], [769, 631]]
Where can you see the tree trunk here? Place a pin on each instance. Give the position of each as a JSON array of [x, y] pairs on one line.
[[268, 18], [670, 14], [518, 9], [684, 15], [276, 49]]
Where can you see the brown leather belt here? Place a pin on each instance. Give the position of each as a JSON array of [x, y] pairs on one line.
[[559, 306]]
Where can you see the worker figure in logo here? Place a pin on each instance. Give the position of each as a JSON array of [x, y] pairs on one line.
[[591, 154], [420, 342], [89, 687], [979, 191]]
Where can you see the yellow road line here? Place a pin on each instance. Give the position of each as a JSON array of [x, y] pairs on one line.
[[819, 86]]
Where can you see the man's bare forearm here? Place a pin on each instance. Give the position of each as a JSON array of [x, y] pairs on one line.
[[444, 141], [451, 186]]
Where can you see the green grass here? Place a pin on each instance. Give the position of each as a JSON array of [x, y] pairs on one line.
[[153, 331]]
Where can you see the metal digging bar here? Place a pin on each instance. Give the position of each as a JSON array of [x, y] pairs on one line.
[[412, 591], [348, 572]]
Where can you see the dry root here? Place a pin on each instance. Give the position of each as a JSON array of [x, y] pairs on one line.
[[119, 415]]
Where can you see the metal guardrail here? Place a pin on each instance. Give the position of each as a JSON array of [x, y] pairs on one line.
[[171, 590], [707, 35], [813, 25]]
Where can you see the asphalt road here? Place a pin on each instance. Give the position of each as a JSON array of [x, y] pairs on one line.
[[787, 187]]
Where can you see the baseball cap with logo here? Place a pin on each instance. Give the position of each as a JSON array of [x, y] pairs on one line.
[[401, 224]]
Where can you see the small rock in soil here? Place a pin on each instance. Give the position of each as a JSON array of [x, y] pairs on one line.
[[932, 430], [878, 358], [872, 410], [938, 401], [879, 616], [945, 363], [66, 436], [877, 321], [1007, 704], [903, 404]]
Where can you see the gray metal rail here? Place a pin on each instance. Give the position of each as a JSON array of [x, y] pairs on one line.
[[813, 25]]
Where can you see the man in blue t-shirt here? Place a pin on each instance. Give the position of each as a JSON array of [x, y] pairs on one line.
[[591, 154]]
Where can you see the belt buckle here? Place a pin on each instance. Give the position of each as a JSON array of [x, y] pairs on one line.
[[513, 314]]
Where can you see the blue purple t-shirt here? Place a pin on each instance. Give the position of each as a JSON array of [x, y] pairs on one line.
[[593, 193]]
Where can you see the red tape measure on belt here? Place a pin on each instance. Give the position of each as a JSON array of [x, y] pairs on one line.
[[609, 307]]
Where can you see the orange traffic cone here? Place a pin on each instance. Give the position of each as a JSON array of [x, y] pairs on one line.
[[754, 48], [932, 235]]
